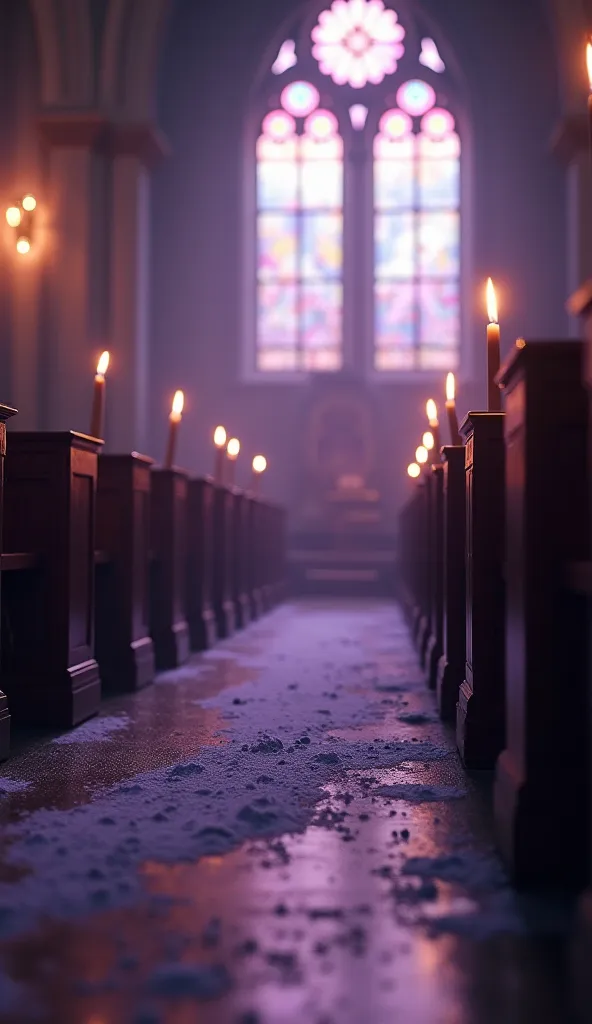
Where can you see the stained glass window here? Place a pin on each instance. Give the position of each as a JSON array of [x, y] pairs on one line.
[[351, 146], [416, 235], [299, 235], [358, 41]]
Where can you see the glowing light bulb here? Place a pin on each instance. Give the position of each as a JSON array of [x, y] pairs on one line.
[[13, 216], [23, 245], [219, 437], [29, 202], [413, 470], [233, 448], [428, 440], [259, 464], [421, 454]]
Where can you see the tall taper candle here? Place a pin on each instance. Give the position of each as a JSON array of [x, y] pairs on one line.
[[98, 404], [174, 420], [259, 467], [220, 444], [451, 410], [494, 397], [232, 450], [432, 414]]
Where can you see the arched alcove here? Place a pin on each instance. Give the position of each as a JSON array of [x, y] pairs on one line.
[[213, 67]]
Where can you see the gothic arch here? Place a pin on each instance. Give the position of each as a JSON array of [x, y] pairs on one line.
[[107, 63]]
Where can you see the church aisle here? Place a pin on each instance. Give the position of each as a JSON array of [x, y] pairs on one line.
[[280, 832]]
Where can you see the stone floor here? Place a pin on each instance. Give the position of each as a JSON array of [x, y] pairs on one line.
[[277, 833]]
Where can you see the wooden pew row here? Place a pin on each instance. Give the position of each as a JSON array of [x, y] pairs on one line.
[[522, 703], [114, 568]]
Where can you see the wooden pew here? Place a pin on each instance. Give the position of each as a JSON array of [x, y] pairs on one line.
[[124, 648], [253, 561], [50, 672], [542, 790], [451, 667], [434, 641], [581, 953], [6, 412], [421, 618], [239, 567], [480, 712], [200, 563], [168, 541], [223, 554]]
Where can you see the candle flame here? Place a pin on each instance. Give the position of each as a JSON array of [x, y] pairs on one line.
[[413, 470], [233, 448], [219, 437], [589, 62], [432, 412], [491, 302], [450, 388], [428, 440], [259, 464], [421, 454], [103, 364], [178, 403]]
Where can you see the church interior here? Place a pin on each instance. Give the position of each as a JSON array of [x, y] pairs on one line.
[[295, 525]]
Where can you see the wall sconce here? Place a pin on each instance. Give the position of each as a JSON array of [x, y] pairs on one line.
[[20, 217]]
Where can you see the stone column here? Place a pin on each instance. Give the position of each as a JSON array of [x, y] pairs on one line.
[[572, 144], [134, 148], [77, 315]]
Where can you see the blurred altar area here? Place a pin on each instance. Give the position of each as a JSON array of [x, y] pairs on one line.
[[341, 539]]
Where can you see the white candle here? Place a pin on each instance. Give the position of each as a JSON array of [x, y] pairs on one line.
[[98, 403], [451, 410], [232, 451], [259, 467], [174, 420], [494, 398], [220, 444]]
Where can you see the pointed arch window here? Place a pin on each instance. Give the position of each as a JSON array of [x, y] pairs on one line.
[[300, 235], [358, 141]]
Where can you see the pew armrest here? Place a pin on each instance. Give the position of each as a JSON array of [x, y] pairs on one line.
[[16, 561]]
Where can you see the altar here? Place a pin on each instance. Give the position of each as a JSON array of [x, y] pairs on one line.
[[341, 540]]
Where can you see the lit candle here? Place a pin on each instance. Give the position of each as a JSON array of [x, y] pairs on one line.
[[421, 455], [220, 444], [589, 66], [432, 414], [174, 420], [259, 467], [98, 403], [451, 410], [413, 470], [232, 450], [494, 398]]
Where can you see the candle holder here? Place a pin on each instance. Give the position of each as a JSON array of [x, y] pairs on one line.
[[200, 564], [480, 712], [124, 648], [548, 530], [168, 539], [50, 672], [6, 412], [450, 673]]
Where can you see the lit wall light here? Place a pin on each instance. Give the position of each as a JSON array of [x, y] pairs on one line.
[[20, 217]]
